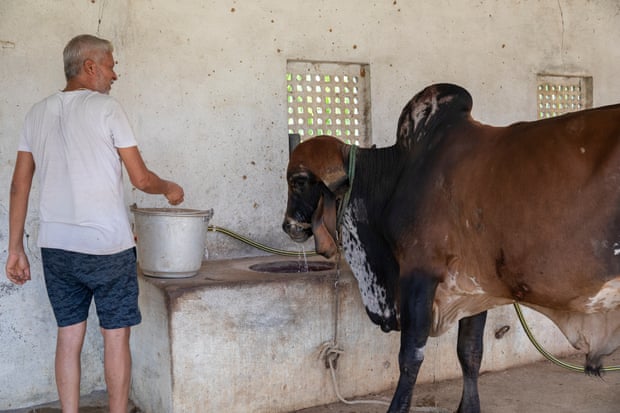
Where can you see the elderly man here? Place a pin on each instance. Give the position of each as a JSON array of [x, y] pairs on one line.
[[76, 140]]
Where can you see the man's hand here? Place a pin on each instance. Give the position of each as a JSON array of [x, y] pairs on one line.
[[18, 268], [174, 193]]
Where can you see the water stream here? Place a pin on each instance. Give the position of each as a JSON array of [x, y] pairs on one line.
[[303, 265]]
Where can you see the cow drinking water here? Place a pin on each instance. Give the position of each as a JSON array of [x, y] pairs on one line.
[[459, 217]]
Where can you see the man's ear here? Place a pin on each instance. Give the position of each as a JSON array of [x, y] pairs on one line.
[[90, 67]]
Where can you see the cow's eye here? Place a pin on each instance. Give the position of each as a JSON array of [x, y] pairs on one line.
[[299, 183]]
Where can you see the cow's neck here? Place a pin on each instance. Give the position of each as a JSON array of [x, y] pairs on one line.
[[377, 172], [365, 248]]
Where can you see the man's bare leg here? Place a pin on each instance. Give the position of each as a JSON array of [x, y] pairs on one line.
[[117, 366], [68, 365]]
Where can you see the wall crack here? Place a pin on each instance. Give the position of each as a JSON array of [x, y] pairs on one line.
[[563, 29], [100, 19]]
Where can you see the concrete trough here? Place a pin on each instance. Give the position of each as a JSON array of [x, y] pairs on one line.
[[235, 339]]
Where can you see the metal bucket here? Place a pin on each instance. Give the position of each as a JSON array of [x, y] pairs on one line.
[[170, 241]]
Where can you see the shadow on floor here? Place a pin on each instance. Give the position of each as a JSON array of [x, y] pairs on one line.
[[95, 402]]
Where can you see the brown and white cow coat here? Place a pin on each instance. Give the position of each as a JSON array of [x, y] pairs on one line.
[[459, 217]]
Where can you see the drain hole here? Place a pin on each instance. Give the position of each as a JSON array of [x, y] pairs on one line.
[[287, 267]]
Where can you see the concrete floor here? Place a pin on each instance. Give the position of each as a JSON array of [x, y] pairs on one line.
[[537, 388], [95, 402]]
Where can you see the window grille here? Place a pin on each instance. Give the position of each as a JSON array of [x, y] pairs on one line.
[[329, 99], [562, 94]]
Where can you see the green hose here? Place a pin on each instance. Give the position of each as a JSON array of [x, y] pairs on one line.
[[260, 246], [546, 354]]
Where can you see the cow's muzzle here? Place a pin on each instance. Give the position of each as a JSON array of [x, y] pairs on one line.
[[298, 231]]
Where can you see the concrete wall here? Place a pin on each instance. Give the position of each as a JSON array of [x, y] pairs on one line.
[[194, 351], [204, 84]]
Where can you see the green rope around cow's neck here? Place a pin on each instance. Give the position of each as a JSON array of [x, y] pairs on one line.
[[347, 195]]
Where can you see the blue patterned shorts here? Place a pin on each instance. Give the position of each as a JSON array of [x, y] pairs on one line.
[[73, 278]]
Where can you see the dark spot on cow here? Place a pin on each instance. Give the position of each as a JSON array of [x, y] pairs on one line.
[[520, 291], [478, 219], [510, 277], [500, 263]]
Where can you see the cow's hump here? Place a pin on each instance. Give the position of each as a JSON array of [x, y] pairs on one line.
[[434, 108]]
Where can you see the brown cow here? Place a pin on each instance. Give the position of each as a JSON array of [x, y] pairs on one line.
[[459, 217]]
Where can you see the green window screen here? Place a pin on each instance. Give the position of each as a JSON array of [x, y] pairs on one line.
[[328, 99]]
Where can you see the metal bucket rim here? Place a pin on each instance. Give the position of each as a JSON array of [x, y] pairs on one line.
[[174, 212]]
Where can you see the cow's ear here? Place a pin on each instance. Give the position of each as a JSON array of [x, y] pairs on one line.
[[339, 181], [338, 184]]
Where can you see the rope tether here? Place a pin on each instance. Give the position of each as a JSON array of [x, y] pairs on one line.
[[329, 352]]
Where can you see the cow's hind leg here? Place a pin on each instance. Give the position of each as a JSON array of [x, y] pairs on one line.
[[469, 350], [416, 297]]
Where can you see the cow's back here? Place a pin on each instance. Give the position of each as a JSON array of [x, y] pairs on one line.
[[549, 202], [528, 212]]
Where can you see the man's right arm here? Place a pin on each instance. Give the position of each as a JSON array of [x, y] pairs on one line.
[[17, 265], [146, 180]]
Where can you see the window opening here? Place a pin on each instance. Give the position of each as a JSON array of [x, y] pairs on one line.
[[558, 94], [329, 99]]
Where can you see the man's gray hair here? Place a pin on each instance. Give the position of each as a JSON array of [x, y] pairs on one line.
[[80, 48]]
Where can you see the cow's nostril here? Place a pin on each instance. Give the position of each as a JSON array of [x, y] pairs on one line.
[[287, 226], [298, 232]]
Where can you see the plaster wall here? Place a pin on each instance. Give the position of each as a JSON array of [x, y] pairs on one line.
[[194, 349], [203, 83]]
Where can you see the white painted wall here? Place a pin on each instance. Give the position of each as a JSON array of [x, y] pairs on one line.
[[204, 84]]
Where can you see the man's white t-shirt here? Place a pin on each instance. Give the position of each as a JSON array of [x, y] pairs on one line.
[[73, 137]]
